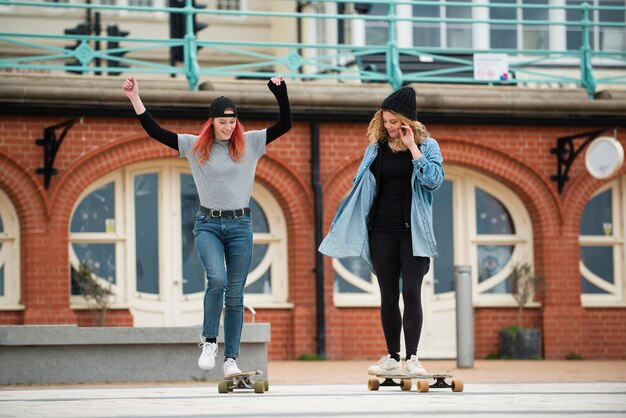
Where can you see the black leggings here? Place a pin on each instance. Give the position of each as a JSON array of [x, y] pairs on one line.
[[392, 255]]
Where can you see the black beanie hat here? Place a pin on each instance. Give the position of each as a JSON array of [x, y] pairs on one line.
[[219, 105], [403, 102]]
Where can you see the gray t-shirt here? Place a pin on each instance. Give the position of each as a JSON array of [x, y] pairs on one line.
[[221, 182]]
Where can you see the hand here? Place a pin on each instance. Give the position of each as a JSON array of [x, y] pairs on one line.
[[131, 88], [406, 134], [277, 80]]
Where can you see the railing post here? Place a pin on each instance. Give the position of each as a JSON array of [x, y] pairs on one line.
[[586, 70], [464, 317], [190, 51]]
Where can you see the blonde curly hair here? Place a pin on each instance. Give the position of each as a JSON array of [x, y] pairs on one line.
[[376, 131]]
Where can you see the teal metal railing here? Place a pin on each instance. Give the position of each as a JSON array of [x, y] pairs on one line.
[[586, 66]]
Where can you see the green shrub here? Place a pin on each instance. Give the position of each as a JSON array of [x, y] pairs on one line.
[[98, 296], [573, 356], [310, 357]]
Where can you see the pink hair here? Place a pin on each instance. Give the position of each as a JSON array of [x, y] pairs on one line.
[[205, 140]]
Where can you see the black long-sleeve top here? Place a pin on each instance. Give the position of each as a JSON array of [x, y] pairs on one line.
[[282, 125], [392, 202]]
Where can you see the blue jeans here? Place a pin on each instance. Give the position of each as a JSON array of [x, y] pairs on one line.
[[225, 248]]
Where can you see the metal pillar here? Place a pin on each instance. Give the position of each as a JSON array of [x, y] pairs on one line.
[[464, 317]]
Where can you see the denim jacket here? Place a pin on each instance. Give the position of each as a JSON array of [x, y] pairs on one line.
[[348, 235]]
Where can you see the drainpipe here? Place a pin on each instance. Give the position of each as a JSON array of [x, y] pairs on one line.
[[319, 258]]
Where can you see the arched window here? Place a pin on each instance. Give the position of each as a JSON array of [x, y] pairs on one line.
[[97, 237], [483, 224], [134, 227], [602, 258], [267, 284], [9, 256]]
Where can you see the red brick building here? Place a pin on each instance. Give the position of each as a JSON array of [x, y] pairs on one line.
[[499, 206]]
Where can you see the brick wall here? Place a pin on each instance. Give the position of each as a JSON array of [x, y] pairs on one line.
[[114, 318], [516, 156], [489, 321]]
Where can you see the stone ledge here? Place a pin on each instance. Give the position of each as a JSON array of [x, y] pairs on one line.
[[34, 335], [330, 98], [36, 354]]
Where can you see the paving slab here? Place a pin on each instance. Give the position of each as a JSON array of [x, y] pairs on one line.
[[547, 388], [478, 400]]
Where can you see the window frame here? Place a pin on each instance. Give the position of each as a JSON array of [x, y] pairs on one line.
[[557, 35], [241, 5], [616, 241], [118, 238], [276, 256], [10, 256], [522, 240]]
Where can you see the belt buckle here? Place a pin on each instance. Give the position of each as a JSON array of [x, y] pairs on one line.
[[213, 213]]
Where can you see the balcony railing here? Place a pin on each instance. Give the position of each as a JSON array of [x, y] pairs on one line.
[[387, 62]]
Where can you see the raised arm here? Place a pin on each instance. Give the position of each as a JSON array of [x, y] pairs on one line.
[[152, 128], [278, 87]]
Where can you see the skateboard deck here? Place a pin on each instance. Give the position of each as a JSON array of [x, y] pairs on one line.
[[422, 385], [242, 380]]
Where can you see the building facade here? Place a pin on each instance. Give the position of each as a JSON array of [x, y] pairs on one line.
[[124, 203]]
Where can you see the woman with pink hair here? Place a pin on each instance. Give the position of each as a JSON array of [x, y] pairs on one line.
[[223, 159]]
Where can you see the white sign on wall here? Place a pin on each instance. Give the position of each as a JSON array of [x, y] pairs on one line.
[[491, 67]]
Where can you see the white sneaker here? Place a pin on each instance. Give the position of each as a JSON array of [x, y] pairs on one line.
[[230, 367], [207, 358], [414, 367], [386, 365]]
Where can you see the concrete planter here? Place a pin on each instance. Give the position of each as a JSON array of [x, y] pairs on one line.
[[520, 343], [35, 354]]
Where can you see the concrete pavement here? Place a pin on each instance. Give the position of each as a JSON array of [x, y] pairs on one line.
[[339, 389], [481, 399]]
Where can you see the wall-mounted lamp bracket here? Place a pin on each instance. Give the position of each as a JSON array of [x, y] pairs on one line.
[[566, 152], [51, 145]]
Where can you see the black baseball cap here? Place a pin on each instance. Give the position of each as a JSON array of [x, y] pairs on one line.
[[219, 106]]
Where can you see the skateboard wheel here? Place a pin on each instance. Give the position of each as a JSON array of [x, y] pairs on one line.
[[266, 385], [457, 385], [405, 384], [373, 384], [259, 386], [222, 386], [422, 386]]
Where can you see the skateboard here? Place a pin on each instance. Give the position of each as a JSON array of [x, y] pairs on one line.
[[406, 382], [242, 381]]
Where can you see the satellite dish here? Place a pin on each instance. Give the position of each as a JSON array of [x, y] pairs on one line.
[[604, 157]]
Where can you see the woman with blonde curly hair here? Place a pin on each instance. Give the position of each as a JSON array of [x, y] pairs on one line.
[[386, 220]]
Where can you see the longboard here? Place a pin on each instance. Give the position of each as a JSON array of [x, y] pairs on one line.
[[242, 381], [406, 382]]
